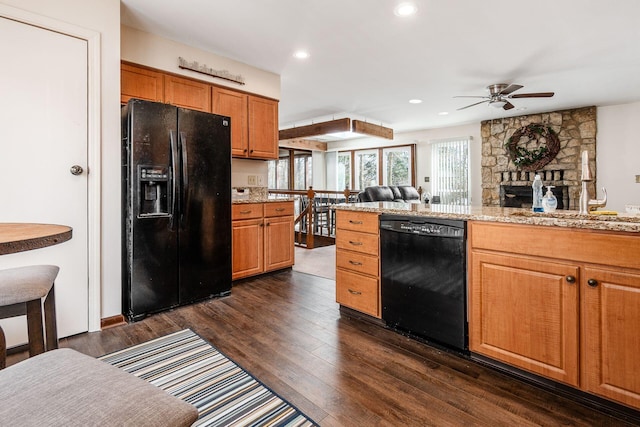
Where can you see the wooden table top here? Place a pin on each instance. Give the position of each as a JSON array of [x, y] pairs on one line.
[[18, 237]]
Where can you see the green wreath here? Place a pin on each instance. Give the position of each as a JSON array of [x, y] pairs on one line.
[[548, 146]]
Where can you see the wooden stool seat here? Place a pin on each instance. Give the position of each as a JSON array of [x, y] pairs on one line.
[[21, 292]]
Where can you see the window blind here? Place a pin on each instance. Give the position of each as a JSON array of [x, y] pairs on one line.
[[450, 170]]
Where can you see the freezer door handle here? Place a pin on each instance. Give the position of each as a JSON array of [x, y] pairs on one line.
[[185, 179], [175, 178]]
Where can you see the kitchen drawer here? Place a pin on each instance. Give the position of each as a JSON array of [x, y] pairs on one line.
[[358, 292], [246, 211], [357, 221], [357, 262], [358, 242], [278, 209]]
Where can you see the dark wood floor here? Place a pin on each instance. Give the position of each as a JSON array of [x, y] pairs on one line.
[[287, 331]]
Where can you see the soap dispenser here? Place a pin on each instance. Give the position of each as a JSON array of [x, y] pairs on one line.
[[549, 201], [537, 194]]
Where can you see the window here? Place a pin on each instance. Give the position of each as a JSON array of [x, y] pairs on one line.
[[378, 166], [344, 170], [366, 168], [397, 166], [281, 175], [450, 170]]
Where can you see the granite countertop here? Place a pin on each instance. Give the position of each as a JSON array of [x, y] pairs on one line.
[[262, 200], [562, 218]]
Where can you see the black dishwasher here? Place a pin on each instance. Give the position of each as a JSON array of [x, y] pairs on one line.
[[423, 285]]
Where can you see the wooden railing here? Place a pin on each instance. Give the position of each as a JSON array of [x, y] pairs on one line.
[[315, 217]]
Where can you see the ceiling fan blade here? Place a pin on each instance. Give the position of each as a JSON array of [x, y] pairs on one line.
[[509, 89], [481, 102], [533, 95], [462, 96], [508, 106]]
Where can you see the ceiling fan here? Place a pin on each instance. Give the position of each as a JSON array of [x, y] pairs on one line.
[[500, 93]]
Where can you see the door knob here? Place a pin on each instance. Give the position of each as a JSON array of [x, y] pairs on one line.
[[76, 170]]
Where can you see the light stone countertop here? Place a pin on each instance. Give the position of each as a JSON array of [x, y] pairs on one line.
[[261, 200], [561, 218]]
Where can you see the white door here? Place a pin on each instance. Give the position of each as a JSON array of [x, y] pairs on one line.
[[43, 122]]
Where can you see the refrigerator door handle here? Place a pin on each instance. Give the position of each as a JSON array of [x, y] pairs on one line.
[[175, 180], [185, 178]]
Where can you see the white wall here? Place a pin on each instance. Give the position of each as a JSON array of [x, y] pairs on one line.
[[423, 152], [618, 155], [102, 16]]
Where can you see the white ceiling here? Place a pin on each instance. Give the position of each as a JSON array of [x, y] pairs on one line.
[[366, 63]]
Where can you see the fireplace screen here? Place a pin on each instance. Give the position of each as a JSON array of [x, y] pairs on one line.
[[521, 196]]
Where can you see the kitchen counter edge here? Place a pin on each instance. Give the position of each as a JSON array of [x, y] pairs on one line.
[[568, 219]]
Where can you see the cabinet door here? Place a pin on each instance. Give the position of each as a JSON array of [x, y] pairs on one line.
[[611, 337], [140, 83], [187, 93], [524, 312], [247, 247], [263, 128], [358, 292], [279, 251], [233, 104]]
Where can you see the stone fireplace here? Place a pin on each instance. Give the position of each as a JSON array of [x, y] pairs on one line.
[[501, 179]]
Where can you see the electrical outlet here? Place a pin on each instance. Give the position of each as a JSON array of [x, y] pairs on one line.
[[252, 180], [426, 179], [260, 180]]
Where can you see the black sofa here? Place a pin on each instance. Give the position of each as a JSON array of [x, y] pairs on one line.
[[391, 193]]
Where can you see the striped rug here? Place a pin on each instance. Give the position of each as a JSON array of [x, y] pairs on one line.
[[190, 368]]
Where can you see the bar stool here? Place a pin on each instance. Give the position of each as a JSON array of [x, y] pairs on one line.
[[21, 292]]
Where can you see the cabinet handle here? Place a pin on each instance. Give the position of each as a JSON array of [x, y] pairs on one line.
[[354, 262], [355, 222], [351, 291], [262, 225], [251, 151], [570, 279], [245, 212], [244, 151], [279, 209], [355, 243], [268, 224], [592, 282]]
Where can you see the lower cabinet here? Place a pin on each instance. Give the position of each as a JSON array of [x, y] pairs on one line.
[[553, 308], [262, 238], [357, 261]]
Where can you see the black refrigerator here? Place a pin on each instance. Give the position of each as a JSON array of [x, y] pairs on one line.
[[176, 195]]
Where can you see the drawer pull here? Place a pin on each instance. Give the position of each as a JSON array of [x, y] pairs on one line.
[[351, 291], [592, 282], [570, 279], [355, 243], [354, 262], [355, 222], [246, 212], [279, 209]]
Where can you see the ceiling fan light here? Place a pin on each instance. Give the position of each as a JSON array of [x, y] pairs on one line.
[[498, 104]]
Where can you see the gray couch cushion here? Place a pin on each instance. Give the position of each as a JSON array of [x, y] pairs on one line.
[[408, 192], [67, 388]]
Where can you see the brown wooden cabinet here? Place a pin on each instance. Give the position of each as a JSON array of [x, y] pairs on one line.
[[358, 262], [254, 119], [541, 299], [611, 334], [187, 93], [141, 83], [234, 104], [525, 313], [262, 238]]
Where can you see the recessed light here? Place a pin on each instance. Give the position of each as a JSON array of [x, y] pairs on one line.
[[301, 54], [415, 101], [405, 9], [443, 113]]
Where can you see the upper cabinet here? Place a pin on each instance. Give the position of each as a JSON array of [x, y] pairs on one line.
[[263, 128], [141, 83], [254, 119], [254, 123], [187, 93], [234, 104]]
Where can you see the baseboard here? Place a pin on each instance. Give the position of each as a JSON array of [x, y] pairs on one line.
[[113, 321]]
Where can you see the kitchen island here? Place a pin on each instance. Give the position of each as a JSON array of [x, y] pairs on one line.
[[553, 295]]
